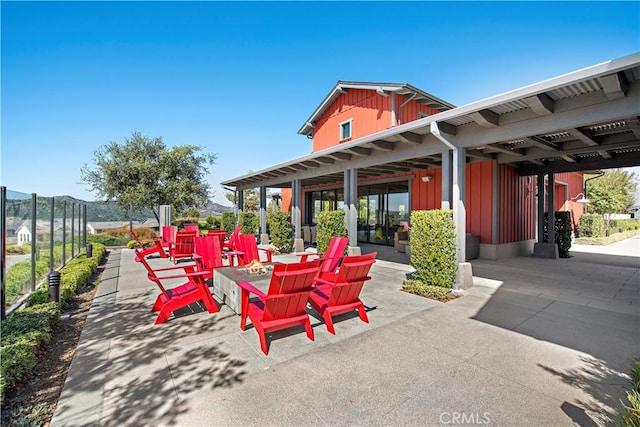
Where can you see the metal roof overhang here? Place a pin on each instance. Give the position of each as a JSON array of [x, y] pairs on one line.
[[587, 119]]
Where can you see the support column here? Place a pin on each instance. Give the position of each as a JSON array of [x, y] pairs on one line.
[[459, 209], [446, 180], [549, 249], [240, 200], [264, 237], [352, 219], [298, 243]]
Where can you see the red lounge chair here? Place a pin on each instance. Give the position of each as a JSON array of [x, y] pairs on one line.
[[232, 243], [331, 258], [157, 248], [169, 235], [342, 295], [250, 251], [226, 254], [195, 228], [285, 303], [183, 246], [169, 300], [209, 254]]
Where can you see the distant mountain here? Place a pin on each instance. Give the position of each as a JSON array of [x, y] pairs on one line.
[[215, 209]]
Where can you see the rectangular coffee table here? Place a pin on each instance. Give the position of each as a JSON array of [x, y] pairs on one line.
[[226, 290]]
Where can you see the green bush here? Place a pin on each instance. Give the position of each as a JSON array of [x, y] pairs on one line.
[[22, 335], [18, 278], [562, 229], [591, 225], [213, 222], [228, 222], [280, 231], [249, 222], [433, 247], [630, 415], [25, 331], [107, 240], [180, 222], [19, 249], [621, 225], [428, 291], [330, 223]]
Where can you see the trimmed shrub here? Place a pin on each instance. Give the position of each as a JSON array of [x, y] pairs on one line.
[[591, 225], [213, 222], [19, 277], [433, 247], [621, 225], [107, 240], [144, 233], [249, 222], [563, 228], [26, 331], [280, 231], [19, 249], [228, 222], [428, 291], [330, 223]]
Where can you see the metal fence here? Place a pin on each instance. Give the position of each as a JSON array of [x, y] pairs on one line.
[[38, 235]]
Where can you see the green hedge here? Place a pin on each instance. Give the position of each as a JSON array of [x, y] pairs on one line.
[[330, 223], [228, 222], [26, 331], [563, 229], [591, 225], [19, 249], [620, 225], [433, 247], [106, 240], [280, 231], [249, 222]]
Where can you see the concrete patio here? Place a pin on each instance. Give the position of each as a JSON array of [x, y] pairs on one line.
[[535, 342]]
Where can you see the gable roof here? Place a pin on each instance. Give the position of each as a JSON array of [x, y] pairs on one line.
[[382, 88]]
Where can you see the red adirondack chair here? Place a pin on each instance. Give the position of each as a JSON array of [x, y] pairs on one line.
[[220, 234], [232, 243], [195, 228], [250, 251], [285, 303], [227, 254], [157, 247], [209, 254], [342, 295], [331, 258], [168, 235], [183, 246], [171, 299]]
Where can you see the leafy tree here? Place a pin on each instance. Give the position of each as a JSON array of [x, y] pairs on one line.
[[251, 199], [143, 173], [612, 192]]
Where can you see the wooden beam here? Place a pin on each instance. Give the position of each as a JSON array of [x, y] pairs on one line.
[[326, 160], [340, 156], [447, 128], [583, 136], [497, 149], [568, 158], [410, 138], [628, 160], [479, 155], [541, 143], [311, 163], [298, 166], [360, 151], [383, 145], [541, 104], [486, 118], [604, 154], [615, 85]]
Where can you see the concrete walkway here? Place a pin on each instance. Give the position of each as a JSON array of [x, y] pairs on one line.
[[535, 342]]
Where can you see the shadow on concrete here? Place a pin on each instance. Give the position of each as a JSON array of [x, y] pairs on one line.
[[614, 260]]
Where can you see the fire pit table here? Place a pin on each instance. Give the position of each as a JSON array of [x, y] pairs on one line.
[[226, 290]]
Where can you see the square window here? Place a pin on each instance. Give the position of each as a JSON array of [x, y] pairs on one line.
[[345, 130]]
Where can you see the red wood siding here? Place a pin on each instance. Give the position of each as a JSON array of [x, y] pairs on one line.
[[516, 204], [427, 195], [575, 183], [369, 111], [479, 200]]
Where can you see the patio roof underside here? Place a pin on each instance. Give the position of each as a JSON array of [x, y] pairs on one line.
[[585, 120]]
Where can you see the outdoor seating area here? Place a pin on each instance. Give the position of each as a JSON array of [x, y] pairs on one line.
[[331, 283]]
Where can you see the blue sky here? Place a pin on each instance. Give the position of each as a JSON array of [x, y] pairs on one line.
[[241, 78]]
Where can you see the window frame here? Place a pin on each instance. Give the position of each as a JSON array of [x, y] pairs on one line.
[[341, 126]]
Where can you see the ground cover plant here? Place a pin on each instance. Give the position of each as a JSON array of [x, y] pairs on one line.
[[630, 414], [25, 333], [330, 223]]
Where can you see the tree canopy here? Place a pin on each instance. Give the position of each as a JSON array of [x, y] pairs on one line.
[[143, 172], [611, 192]]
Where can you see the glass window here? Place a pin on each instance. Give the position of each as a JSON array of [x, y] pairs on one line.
[[345, 130]]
